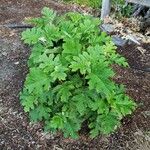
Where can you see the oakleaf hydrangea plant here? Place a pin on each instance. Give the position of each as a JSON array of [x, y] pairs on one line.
[[70, 75]]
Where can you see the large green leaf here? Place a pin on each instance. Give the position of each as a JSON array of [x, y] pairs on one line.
[[99, 105], [82, 63], [72, 46], [71, 128], [123, 105], [98, 84], [80, 103], [31, 36], [108, 122], [57, 122], [28, 101], [46, 62], [37, 81], [39, 113], [59, 73], [63, 92]]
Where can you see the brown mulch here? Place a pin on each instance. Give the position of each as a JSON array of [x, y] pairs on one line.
[[17, 133]]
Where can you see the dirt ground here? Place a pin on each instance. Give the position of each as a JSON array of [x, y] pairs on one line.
[[17, 133]]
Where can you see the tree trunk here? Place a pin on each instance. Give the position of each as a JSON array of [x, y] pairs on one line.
[[106, 5]]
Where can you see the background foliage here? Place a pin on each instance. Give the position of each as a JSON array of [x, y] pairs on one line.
[[119, 6]]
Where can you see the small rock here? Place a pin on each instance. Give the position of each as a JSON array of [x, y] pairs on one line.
[[133, 39], [109, 28], [147, 113], [118, 41], [4, 53], [16, 63], [142, 50]]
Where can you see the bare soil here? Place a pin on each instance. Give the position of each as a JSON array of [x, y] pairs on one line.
[[16, 131]]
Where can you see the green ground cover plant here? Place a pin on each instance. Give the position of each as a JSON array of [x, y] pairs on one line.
[[70, 75]]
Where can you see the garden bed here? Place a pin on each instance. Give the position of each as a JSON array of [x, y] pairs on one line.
[[16, 132]]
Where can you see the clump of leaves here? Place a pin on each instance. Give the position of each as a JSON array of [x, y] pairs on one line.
[[69, 80]]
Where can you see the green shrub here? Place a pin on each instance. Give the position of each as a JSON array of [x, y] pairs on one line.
[[70, 75]]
